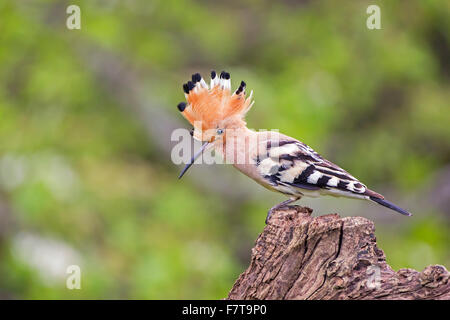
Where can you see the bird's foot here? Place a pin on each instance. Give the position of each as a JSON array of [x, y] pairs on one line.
[[283, 204]]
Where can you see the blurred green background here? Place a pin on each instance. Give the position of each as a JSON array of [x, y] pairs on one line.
[[86, 115]]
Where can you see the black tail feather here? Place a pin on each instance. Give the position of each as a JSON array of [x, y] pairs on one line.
[[390, 205]]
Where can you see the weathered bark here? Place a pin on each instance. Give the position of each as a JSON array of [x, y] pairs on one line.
[[301, 257]]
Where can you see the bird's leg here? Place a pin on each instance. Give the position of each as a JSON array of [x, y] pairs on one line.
[[280, 205]]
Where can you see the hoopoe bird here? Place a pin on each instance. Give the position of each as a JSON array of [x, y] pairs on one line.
[[276, 161]]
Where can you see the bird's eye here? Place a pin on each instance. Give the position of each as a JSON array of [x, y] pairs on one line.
[[219, 131], [191, 132]]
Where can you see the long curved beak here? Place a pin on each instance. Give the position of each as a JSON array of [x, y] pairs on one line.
[[196, 155]]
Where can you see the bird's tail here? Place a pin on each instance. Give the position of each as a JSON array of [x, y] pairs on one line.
[[390, 205]]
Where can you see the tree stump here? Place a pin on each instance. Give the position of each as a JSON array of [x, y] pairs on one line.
[[328, 257]]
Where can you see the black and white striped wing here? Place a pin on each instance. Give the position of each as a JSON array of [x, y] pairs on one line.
[[293, 164]]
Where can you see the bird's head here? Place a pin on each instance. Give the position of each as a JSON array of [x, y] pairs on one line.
[[213, 109]]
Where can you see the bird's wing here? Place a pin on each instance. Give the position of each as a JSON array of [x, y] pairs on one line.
[[292, 163]]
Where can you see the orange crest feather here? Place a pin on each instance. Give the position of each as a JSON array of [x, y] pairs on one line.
[[210, 105]]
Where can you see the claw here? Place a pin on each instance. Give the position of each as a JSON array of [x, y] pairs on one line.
[[280, 205], [269, 213]]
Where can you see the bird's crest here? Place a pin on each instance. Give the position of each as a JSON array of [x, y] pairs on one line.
[[209, 105]]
